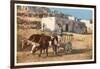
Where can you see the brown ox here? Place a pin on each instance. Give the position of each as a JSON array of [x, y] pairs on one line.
[[38, 42], [41, 42], [44, 44]]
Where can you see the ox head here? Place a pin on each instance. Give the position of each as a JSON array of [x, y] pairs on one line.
[[25, 44], [29, 44]]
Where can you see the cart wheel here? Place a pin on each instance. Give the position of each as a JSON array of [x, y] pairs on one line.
[[68, 47]]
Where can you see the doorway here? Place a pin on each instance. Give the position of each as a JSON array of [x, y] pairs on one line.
[[66, 27]]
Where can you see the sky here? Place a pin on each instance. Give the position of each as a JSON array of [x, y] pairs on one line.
[[79, 13]]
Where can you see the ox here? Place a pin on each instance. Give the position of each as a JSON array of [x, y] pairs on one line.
[[42, 42]]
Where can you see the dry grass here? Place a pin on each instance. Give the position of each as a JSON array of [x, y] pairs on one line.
[[29, 18]]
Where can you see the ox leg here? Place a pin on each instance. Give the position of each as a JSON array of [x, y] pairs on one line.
[[46, 51], [40, 53], [33, 50], [55, 50]]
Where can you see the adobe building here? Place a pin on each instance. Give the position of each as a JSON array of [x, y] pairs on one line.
[[57, 24], [88, 24]]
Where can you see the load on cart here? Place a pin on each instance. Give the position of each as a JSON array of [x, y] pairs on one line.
[[65, 42]]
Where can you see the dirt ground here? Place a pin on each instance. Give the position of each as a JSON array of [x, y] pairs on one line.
[[82, 50]]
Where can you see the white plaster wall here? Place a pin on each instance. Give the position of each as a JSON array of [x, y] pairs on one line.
[[87, 23], [49, 22]]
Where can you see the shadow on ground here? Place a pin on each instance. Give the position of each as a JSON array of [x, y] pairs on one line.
[[74, 51]]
